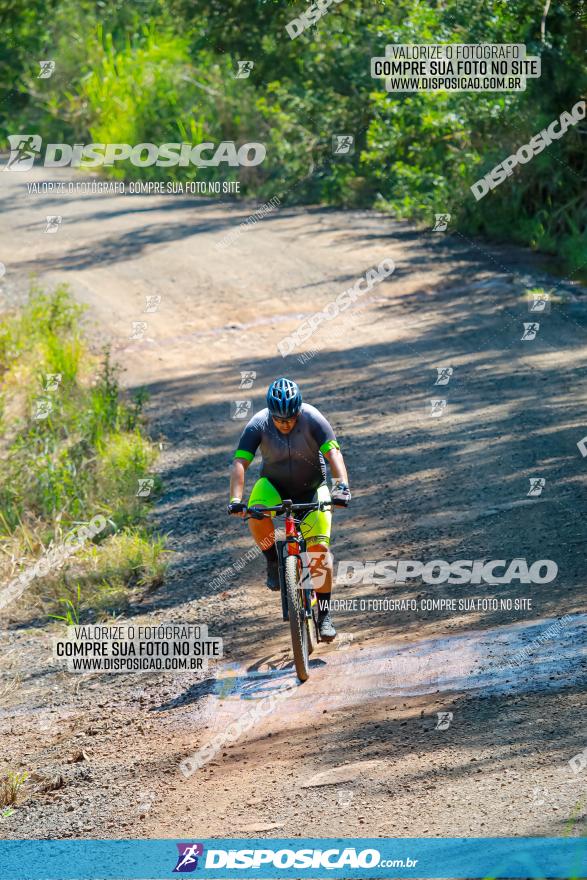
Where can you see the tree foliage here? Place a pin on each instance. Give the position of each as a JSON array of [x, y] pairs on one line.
[[159, 71]]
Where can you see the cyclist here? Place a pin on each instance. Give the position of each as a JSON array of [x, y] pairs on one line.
[[294, 438]]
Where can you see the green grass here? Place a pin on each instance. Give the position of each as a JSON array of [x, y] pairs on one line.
[[10, 787], [68, 453]]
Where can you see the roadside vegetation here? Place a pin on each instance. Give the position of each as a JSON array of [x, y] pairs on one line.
[[71, 448], [10, 786], [162, 71]]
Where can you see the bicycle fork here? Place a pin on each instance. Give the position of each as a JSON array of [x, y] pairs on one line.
[[294, 545], [282, 553]]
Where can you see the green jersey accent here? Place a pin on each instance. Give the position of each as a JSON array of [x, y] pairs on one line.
[[328, 445], [242, 453]]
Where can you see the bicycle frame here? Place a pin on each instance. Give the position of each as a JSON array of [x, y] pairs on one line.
[[293, 545]]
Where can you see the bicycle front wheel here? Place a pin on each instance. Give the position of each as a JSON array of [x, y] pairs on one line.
[[312, 624], [297, 618]]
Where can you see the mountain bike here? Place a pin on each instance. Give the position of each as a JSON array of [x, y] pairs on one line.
[[299, 603]]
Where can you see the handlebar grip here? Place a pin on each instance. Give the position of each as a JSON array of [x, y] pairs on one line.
[[255, 514], [236, 507]]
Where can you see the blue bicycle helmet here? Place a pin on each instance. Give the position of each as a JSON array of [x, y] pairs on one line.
[[284, 399]]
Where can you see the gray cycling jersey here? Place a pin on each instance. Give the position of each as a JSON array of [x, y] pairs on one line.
[[292, 462]]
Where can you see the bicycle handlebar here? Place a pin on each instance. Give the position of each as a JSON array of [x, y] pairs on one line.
[[286, 507]]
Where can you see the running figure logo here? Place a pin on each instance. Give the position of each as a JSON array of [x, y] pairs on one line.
[[444, 719], [43, 408], [24, 148], [52, 381], [540, 302], [441, 222], [139, 329], [444, 374], [188, 857], [344, 796], [47, 68], [53, 223], [244, 69], [537, 796], [343, 144], [437, 407], [241, 408], [247, 378], [153, 303], [530, 331], [537, 484]]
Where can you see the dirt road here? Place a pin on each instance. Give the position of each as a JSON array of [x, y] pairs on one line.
[[360, 749]]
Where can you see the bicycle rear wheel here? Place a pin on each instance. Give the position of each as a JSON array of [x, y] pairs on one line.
[[297, 618]]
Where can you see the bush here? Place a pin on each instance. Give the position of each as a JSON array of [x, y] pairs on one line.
[[75, 448]]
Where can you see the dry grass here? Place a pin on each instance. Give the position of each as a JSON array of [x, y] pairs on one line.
[[10, 786]]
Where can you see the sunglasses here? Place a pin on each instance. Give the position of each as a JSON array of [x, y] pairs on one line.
[[283, 421]]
